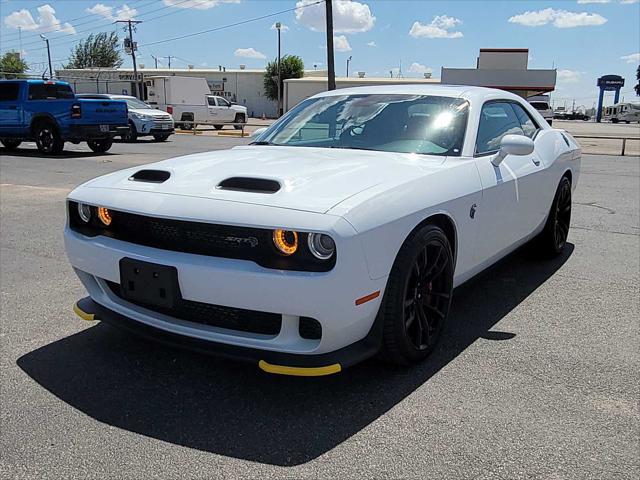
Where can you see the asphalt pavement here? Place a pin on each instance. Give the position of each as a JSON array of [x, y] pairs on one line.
[[537, 375]]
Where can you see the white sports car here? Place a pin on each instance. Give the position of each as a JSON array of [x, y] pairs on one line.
[[338, 234]]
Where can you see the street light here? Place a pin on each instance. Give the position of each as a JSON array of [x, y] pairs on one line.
[[278, 27], [348, 60], [48, 54]]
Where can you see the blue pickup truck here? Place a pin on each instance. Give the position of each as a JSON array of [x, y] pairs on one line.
[[49, 113]]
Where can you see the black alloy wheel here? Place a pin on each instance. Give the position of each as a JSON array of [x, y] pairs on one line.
[[48, 139], [553, 238], [131, 135], [418, 296]]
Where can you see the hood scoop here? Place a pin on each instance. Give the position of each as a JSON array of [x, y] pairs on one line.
[[150, 176], [249, 184]]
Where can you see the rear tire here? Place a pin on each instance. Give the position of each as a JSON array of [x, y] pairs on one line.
[[11, 144], [48, 139], [553, 238], [100, 146], [416, 302]]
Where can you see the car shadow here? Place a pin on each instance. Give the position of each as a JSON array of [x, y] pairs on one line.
[[234, 409], [66, 154]]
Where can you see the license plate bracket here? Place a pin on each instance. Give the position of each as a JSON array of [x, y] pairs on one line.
[[104, 128], [149, 283]]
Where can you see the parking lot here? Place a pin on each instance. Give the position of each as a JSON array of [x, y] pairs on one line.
[[536, 375]]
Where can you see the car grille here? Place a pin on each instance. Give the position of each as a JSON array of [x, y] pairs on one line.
[[214, 315], [164, 123]]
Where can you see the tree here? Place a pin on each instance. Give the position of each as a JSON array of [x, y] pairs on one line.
[[637, 87], [12, 66], [291, 66], [97, 50]]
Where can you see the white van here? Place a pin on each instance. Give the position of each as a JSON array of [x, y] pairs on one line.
[[190, 102], [541, 103], [622, 112]]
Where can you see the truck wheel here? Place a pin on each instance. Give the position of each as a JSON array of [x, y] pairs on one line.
[[131, 135], [160, 138], [11, 144], [48, 139], [218, 127], [100, 146], [239, 119]]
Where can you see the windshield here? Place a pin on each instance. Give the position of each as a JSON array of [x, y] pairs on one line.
[[390, 123], [134, 103]]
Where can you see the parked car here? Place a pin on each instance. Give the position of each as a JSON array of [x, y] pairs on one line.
[[190, 102], [622, 112], [541, 103], [144, 120], [339, 233], [48, 112]]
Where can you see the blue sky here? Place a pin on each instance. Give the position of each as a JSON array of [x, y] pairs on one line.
[[583, 39]]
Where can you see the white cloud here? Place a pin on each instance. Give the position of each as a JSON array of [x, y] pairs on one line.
[[569, 76], [416, 67], [283, 28], [197, 4], [440, 27], [123, 13], [372, 44], [249, 53], [559, 18], [593, 1], [47, 21], [633, 58], [341, 44], [348, 16]]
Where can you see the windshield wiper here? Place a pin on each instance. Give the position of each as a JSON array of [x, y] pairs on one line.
[[347, 147], [261, 143]]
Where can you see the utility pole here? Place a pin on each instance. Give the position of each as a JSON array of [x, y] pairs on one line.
[[156, 60], [133, 46], [169, 57], [331, 71], [278, 27], [348, 60], [48, 54]]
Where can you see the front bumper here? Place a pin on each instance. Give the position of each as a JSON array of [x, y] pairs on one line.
[[96, 132], [269, 361]]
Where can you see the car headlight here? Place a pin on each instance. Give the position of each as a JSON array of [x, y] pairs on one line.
[[84, 212], [321, 246], [105, 216], [142, 116], [286, 241]]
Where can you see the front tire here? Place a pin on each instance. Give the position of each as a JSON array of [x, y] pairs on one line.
[[48, 139], [553, 238], [239, 119], [131, 135], [100, 146], [11, 144], [417, 299]]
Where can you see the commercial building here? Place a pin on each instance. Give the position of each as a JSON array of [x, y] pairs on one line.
[[242, 85]]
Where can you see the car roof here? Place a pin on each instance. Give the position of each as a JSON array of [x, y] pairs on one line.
[[461, 91]]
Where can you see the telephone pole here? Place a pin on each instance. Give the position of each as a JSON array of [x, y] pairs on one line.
[[331, 71], [132, 45], [169, 57], [48, 54]]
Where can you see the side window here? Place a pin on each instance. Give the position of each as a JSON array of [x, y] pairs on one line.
[[64, 91], [211, 101], [497, 119], [50, 91], [9, 91], [222, 102], [529, 127]]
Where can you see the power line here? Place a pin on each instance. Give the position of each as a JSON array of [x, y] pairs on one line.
[[236, 24]]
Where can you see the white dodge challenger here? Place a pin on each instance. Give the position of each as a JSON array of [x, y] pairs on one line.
[[338, 234]]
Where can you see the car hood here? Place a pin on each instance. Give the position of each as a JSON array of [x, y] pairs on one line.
[[152, 112], [311, 179]]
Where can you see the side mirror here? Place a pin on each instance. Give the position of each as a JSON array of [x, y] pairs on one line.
[[513, 145], [258, 132]]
